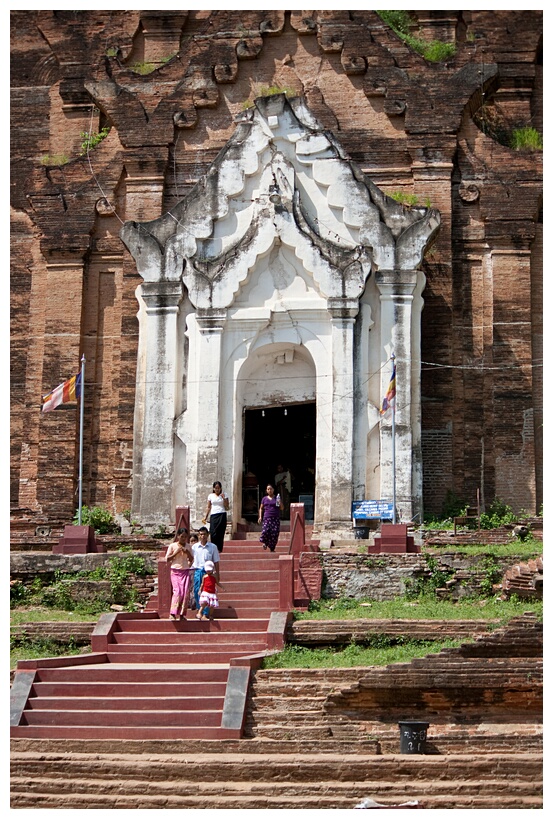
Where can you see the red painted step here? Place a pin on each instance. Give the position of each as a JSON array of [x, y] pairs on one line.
[[115, 732], [114, 672], [120, 717], [191, 625], [168, 701], [136, 690]]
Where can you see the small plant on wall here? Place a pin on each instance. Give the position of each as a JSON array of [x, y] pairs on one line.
[[55, 160], [402, 22], [271, 91], [92, 139], [526, 139]]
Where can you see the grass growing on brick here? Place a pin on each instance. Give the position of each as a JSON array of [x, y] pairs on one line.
[[384, 653], [518, 550], [424, 608]]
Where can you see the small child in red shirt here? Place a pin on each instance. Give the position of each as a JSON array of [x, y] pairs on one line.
[[208, 592]]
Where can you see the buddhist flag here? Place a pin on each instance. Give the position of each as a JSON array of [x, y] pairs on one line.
[[68, 391], [390, 394]]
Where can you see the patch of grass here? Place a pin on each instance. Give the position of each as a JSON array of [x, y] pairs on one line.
[[143, 68], [354, 655], [41, 614], [55, 160], [402, 23], [403, 198], [424, 608], [526, 139], [38, 649], [273, 90], [517, 549]]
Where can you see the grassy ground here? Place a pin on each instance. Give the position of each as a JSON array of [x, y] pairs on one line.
[[423, 608], [355, 655], [44, 614], [518, 550], [39, 649]]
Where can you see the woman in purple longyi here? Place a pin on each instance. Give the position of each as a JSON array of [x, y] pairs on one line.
[[269, 513]]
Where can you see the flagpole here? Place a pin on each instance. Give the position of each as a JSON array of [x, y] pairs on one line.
[[394, 444], [81, 428]]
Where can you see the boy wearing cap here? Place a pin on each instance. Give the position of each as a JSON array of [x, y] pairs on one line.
[[203, 551]]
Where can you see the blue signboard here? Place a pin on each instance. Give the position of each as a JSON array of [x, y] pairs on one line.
[[372, 509]]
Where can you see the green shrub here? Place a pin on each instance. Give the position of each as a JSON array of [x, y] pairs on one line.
[[498, 514], [118, 570], [426, 585], [493, 574], [19, 594], [98, 517]]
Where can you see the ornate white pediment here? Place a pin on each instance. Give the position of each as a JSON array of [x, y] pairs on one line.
[[280, 180]]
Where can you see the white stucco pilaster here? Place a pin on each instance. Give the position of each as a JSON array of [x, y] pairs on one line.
[[158, 396], [203, 413], [396, 302], [342, 312]]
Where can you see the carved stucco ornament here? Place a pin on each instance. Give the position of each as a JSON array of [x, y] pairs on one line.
[[469, 192], [104, 207]]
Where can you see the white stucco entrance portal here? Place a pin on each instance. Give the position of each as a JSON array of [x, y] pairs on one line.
[[285, 278]]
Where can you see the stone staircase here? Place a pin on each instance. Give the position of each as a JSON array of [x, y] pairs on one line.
[[524, 579], [152, 678]]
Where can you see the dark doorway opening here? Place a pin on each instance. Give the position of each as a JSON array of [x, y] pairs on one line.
[[279, 436]]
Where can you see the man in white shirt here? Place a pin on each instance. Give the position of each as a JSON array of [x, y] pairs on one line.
[[203, 551]]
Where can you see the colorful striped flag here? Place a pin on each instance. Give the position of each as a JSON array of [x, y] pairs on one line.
[[68, 391], [391, 393]]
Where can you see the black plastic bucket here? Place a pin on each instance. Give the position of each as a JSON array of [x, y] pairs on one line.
[[361, 532], [412, 737]]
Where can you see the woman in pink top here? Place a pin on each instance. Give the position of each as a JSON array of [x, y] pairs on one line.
[[180, 558]]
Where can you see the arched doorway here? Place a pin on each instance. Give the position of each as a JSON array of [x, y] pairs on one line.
[[275, 437]]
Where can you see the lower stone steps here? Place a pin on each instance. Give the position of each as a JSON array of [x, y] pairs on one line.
[[224, 781]]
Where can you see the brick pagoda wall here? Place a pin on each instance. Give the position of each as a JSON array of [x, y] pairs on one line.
[[168, 85]]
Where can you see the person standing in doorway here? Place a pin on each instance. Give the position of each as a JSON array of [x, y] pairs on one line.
[[269, 516], [203, 552], [283, 485], [179, 557], [217, 508]]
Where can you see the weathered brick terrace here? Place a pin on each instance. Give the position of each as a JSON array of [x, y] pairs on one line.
[[328, 738], [335, 731]]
